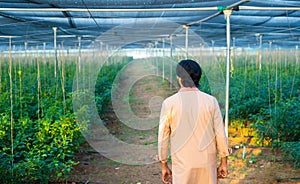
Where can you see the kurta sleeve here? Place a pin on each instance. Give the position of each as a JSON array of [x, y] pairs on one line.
[[164, 133], [219, 129]]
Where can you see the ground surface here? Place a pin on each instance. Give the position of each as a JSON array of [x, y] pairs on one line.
[[258, 165]]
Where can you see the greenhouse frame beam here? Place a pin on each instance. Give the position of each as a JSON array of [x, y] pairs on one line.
[[148, 9], [107, 10], [4, 36], [217, 8], [269, 8], [221, 9]]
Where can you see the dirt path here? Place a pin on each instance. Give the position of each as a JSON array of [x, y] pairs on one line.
[[260, 165]]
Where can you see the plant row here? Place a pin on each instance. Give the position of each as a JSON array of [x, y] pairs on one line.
[[39, 135]]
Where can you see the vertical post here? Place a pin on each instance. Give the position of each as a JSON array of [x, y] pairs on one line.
[[14, 49], [233, 55], [227, 14], [296, 55], [68, 51], [77, 76], [101, 49], [44, 49], [55, 50], [63, 75], [38, 82], [258, 63], [93, 43], [79, 52], [186, 41], [10, 44], [26, 46], [163, 60], [270, 51], [1, 74], [107, 53], [260, 52], [11, 105], [171, 60], [213, 46], [20, 82], [233, 46], [156, 57], [101, 46], [200, 51], [37, 50]]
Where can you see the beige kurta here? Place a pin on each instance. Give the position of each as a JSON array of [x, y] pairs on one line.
[[193, 122]]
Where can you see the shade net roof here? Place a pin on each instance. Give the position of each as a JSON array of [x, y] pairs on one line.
[[145, 23]]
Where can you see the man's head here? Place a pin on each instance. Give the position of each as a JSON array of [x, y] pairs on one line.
[[189, 73]]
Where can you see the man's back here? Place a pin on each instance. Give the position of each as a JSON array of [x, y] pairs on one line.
[[195, 117]]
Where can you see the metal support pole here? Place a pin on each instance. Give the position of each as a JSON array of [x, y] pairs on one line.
[[11, 103], [186, 40], [101, 46], [79, 52], [14, 49], [171, 60], [93, 43], [227, 14], [55, 51], [260, 52], [233, 46], [26, 46], [107, 53], [232, 55], [296, 53], [44, 48], [9, 44], [258, 63], [156, 57], [163, 61], [37, 50]]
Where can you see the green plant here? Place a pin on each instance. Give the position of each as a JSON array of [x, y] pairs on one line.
[[44, 130], [41, 148], [291, 151]]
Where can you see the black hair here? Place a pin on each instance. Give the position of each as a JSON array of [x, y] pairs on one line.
[[190, 72]]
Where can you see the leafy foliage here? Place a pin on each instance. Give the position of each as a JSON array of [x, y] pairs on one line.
[[291, 151], [104, 84], [39, 140], [269, 98]]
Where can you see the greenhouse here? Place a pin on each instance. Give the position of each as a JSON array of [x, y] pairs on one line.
[[82, 84]]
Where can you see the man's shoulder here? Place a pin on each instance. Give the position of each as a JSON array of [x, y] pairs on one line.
[[207, 98], [203, 96], [171, 99], [206, 95]]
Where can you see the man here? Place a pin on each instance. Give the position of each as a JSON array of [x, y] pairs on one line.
[[193, 123]]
